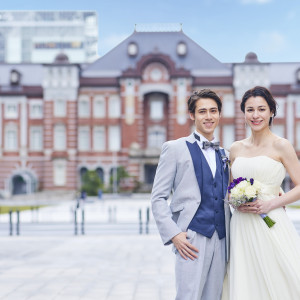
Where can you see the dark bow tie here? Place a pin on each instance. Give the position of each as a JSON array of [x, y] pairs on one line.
[[207, 144]]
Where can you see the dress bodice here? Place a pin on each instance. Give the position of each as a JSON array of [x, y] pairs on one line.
[[268, 171]]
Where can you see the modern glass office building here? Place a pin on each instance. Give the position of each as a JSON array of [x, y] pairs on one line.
[[38, 36]]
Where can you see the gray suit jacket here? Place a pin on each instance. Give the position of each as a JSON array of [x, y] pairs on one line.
[[175, 173]]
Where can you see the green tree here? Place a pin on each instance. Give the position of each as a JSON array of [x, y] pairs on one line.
[[91, 183], [121, 173]]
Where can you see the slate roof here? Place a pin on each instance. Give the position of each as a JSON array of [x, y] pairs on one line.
[[197, 60], [32, 74]]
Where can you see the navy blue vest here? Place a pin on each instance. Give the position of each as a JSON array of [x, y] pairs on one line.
[[210, 214]]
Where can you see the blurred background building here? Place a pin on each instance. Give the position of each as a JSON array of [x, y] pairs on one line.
[[38, 36], [60, 118]]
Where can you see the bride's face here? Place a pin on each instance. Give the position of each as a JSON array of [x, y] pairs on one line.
[[257, 113]]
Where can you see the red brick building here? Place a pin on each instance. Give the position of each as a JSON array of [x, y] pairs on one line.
[[59, 120]]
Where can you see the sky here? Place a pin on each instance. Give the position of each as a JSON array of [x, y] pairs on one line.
[[227, 29]]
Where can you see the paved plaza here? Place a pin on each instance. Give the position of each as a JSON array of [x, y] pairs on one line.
[[86, 267], [112, 261]]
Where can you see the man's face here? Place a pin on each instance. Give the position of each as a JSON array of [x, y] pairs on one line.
[[206, 117]]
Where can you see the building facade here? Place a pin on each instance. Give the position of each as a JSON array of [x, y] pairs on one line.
[[59, 119], [38, 36]]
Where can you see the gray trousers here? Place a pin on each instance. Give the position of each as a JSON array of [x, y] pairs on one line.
[[201, 278]]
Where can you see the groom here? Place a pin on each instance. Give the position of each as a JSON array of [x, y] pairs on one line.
[[196, 222]]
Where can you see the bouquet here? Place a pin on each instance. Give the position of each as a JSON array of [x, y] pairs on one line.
[[243, 191]]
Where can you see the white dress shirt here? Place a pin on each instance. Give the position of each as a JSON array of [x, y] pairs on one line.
[[209, 153]]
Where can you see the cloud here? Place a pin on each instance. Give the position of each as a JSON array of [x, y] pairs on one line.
[[291, 15], [272, 42], [109, 42], [255, 1]]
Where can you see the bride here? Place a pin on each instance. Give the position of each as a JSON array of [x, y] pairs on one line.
[[264, 262]]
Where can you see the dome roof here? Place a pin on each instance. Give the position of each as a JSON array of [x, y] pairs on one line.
[[251, 57], [61, 58]]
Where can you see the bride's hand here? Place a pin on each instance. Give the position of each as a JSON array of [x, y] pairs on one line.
[[262, 207], [248, 208], [257, 207]]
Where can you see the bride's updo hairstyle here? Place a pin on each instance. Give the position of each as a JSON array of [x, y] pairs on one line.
[[264, 93]]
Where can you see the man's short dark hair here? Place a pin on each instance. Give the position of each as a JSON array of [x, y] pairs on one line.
[[203, 94]]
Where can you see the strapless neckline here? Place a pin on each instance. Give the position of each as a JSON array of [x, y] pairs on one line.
[[258, 156]]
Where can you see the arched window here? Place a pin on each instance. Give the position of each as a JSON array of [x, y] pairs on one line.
[[82, 171], [100, 173]]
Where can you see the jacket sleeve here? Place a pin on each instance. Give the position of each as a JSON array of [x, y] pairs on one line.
[[162, 186]]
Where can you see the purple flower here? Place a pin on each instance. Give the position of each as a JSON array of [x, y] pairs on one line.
[[251, 181]]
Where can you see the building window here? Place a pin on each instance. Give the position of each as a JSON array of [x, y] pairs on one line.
[[248, 131], [278, 130], [280, 108], [217, 133], [2, 48], [100, 173], [11, 110], [84, 138], [156, 137], [36, 138], [59, 137], [298, 108], [84, 106], [99, 138], [228, 136], [59, 172], [156, 109], [36, 110], [228, 106], [60, 108], [114, 109], [114, 138], [298, 136], [99, 107], [11, 137]]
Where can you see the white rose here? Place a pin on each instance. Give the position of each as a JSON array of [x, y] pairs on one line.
[[242, 185], [257, 185], [235, 192], [250, 192]]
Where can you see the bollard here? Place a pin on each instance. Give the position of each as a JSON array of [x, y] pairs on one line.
[[109, 215], [115, 215], [75, 221], [18, 223], [37, 214], [10, 223], [32, 214], [82, 221], [140, 221], [147, 220]]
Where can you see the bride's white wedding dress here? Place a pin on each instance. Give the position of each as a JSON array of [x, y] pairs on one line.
[[264, 262]]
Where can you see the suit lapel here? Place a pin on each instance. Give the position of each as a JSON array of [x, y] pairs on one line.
[[197, 162]]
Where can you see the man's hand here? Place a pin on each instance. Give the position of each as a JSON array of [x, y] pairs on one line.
[[185, 249]]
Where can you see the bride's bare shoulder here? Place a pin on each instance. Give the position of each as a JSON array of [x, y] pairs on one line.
[[237, 147], [282, 145]]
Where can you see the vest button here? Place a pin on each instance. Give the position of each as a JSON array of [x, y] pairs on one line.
[[215, 184], [216, 198]]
